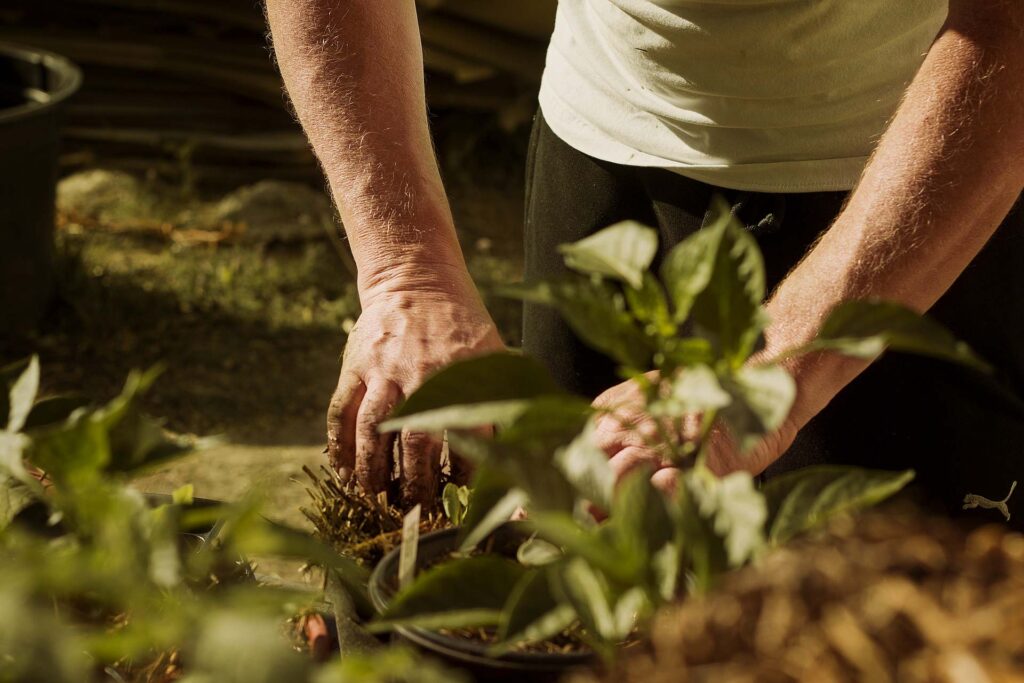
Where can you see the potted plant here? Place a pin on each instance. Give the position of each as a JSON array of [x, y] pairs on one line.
[[697, 328]]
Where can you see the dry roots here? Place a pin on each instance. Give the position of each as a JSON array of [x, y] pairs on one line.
[[361, 525]]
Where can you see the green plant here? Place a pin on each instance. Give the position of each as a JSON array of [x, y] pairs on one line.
[[697, 327], [97, 582]]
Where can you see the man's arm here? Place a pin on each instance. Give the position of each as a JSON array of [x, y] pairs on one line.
[[943, 178], [354, 72]]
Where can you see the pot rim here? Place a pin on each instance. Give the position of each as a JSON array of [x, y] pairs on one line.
[[53, 63], [462, 648]]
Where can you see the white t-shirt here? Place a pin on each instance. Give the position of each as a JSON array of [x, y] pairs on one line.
[[763, 95]]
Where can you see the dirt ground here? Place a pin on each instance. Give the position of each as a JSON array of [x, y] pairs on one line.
[[249, 328]]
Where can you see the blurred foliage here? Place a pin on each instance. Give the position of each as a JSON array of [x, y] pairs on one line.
[[100, 582]]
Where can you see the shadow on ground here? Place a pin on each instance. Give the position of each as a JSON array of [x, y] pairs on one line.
[[249, 377]]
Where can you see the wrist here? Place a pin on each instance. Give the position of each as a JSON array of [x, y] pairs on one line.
[[427, 277]]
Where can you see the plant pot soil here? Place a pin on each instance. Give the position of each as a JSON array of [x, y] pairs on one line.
[[470, 654]]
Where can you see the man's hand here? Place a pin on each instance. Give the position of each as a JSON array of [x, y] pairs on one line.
[[400, 339], [631, 439], [628, 436], [354, 72]]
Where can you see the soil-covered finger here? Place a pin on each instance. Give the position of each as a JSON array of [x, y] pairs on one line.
[[373, 449], [420, 467], [341, 424]]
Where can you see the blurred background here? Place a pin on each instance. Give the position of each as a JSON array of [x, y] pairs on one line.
[[191, 226]]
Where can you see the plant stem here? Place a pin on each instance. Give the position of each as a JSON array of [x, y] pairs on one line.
[[706, 423]]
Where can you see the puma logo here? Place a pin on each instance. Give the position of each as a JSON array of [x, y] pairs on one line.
[[972, 500]]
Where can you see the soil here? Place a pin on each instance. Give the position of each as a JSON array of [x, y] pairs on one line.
[[567, 642]]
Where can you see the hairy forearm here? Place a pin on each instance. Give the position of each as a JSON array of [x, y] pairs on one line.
[[354, 73], [942, 179]]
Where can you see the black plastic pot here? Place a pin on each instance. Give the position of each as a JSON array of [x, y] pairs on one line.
[[33, 88], [461, 653]]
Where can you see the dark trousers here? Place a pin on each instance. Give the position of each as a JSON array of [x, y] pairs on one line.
[[963, 432]]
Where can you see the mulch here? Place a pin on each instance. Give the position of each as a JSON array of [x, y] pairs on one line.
[[884, 597]]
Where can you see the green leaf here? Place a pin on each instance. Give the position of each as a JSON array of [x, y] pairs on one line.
[[547, 423], [666, 568], [762, 396], [622, 251], [138, 442], [864, 329], [688, 267], [183, 495], [533, 613], [596, 313], [695, 389], [632, 607], [9, 374], [12, 457], [435, 621], [588, 593], [641, 524], [116, 437], [455, 501], [728, 310], [21, 396], [536, 552], [563, 531], [495, 498], [698, 543], [459, 417], [586, 467], [463, 592], [650, 306], [736, 509], [801, 500], [394, 664], [547, 489], [79, 445], [495, 378], [15, 496], [548, 420], [686, 351]]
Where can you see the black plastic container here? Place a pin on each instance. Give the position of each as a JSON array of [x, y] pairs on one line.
[[33, 88], [470, 655]]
